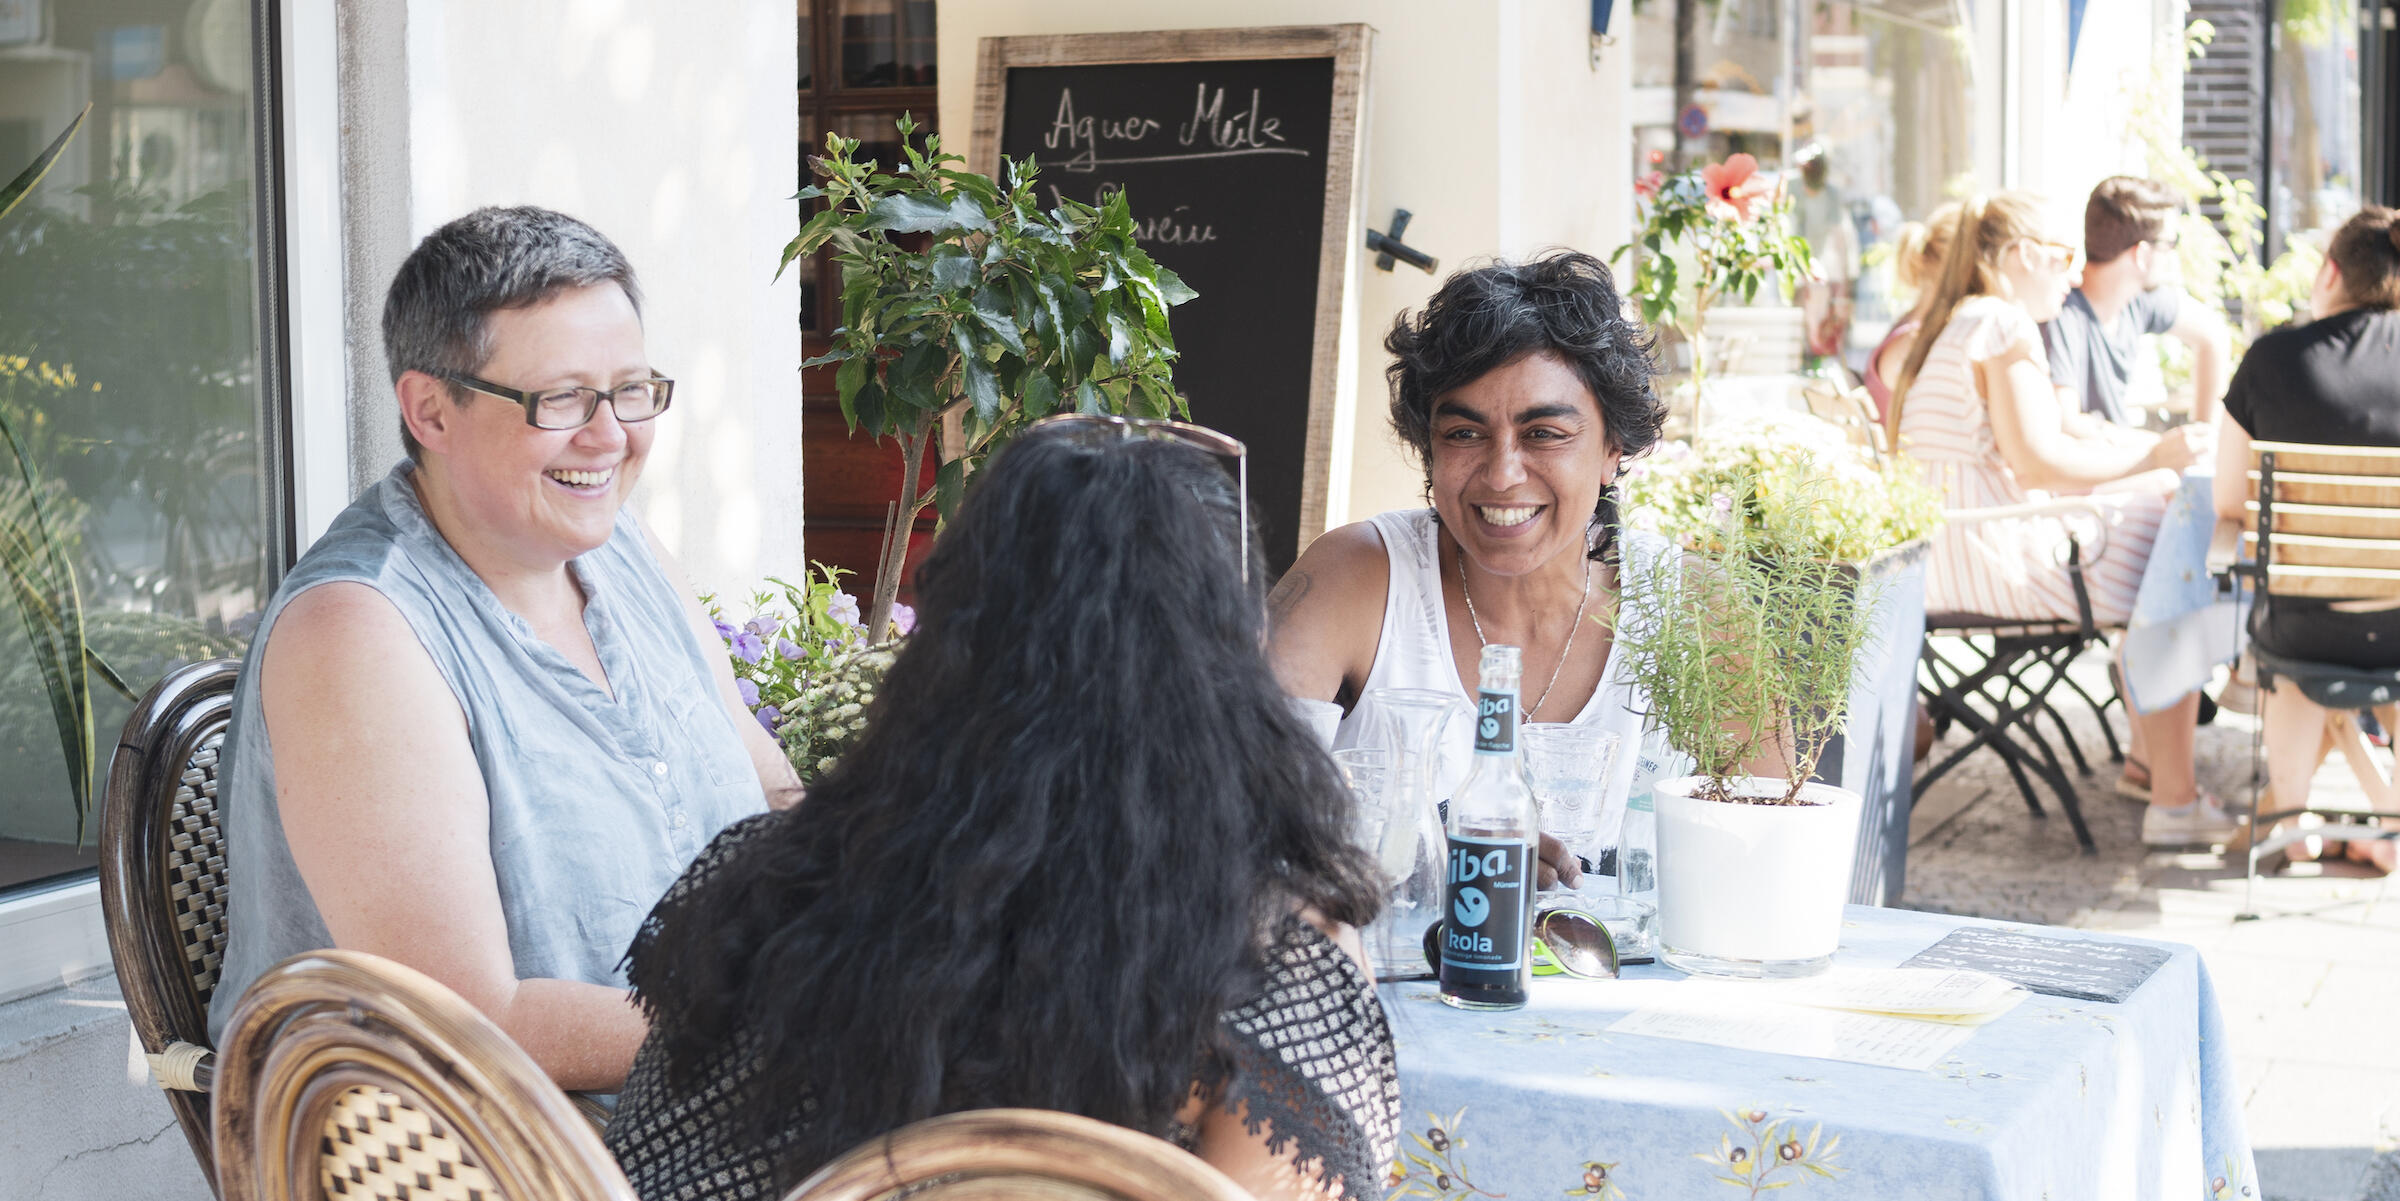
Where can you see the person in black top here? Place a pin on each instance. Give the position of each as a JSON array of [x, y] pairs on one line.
[[2334, 380], [1084, 857]]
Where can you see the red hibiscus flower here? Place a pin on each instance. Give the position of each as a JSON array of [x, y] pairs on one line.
[[1732, 187]]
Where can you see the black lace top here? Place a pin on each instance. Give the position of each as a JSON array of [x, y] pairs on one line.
[[1310, 1065]]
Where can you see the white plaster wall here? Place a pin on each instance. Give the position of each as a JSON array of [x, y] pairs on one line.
[[672, 129], [1487, 121]]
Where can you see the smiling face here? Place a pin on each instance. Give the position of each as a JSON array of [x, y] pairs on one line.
[[1517, 460], [541, 496]]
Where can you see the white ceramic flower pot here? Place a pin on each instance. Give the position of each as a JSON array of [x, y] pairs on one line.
[[1753, 890]]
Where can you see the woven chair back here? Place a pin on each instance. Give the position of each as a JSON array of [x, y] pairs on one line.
[[344, 1075], [162, 868], [1017, 1155], [2329, 517]]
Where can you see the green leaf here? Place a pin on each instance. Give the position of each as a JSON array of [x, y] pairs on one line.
[[1171, 288], [975, 376], [1041, 395], [835, 355], [912, 379], [872, 416], [949, 487], [17, 188], [912, 214], [846, 381], [1120, 338], [1087, 398], [952, 268], [811, 236], [992, 307]]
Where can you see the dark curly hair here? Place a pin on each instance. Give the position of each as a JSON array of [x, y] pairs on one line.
[[1488, 316], [1050, 863]]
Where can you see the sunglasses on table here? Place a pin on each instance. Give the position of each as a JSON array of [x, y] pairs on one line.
[[1200, 436], [573, 408], [1566, 942]]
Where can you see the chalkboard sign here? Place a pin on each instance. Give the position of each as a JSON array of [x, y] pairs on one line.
[[1237, 150], [2084, 969]]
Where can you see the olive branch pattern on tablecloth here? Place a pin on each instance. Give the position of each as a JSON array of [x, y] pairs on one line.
[[1766, 1153], [1435, 1168]]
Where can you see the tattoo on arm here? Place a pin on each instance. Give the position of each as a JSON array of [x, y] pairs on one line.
[[1288, 593]]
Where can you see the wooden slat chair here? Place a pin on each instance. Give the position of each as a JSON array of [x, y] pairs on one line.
[[2326, 524], [345, 1075], [1997, 678], [1852, 410], [162, 880], [1023, 1155]]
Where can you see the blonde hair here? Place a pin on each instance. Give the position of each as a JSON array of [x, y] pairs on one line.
[[1983, 230], [1917, 251]]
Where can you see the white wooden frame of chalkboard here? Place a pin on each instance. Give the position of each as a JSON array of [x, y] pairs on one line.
[[1346, 45]]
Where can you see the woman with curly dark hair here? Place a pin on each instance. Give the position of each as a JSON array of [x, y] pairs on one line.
[[1083, 858], [1524, 390]]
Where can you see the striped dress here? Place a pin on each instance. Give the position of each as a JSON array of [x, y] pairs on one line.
[[2012, 568]]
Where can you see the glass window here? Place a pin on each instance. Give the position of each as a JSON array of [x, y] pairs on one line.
[[887, 43], [138, 499], [2313, 145]]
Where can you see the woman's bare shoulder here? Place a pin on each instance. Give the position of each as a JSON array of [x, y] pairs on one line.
[[1326, 613]]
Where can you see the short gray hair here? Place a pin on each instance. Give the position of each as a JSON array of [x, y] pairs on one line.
[[436, 318]]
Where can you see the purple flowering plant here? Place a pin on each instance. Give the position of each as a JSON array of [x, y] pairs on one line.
[[804, 664]]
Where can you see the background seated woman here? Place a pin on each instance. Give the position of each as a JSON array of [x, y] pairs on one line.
[[1083, 858], [1974, 405], [2334, 380], [485, 723]]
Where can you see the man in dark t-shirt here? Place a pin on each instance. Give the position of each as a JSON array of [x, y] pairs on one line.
[[2127, 291]]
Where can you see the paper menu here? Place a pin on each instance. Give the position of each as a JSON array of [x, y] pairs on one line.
[[1959, 997], [1872, 1039]]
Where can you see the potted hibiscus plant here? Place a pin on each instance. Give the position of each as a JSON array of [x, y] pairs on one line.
[[1745, 638], [1709, 235]]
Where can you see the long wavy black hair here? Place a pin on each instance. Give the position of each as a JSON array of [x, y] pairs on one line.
[[1485, 317], [1048, 865]]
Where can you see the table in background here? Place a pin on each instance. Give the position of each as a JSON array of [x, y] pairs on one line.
[[2058, 1099]]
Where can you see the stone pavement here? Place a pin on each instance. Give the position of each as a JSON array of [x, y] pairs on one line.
[[2311, 990]]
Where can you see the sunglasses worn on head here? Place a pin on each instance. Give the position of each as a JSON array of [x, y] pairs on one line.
[[1200, 436]]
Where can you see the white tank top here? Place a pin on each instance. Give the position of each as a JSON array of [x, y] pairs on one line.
[[1413, 651]]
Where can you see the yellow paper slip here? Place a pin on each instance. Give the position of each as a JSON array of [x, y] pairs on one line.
[[1953, 996]]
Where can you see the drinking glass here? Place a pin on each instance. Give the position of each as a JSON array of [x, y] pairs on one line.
[[1367, 770], [1570, 766], [1411, 724]]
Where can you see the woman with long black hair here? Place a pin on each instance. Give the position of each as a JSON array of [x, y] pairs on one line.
[[1084, 858]]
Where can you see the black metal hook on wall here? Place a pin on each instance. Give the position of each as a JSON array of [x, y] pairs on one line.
[[1388, 246]]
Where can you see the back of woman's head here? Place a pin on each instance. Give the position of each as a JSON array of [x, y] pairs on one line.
[[1981, 232], [1043, 872], [2366, 250], [1918, 249]]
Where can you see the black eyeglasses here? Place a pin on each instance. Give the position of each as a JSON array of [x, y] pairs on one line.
[[573, 408], [1174, 431]]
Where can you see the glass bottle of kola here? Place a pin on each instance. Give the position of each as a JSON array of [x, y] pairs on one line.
[[1487, 903]]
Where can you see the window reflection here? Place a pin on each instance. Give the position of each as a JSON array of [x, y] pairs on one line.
[[887, 43], [129, 369]]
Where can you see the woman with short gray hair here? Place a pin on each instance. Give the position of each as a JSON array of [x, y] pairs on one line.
[[485, 724]]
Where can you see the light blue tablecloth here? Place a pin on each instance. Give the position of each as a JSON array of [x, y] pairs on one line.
[[2057, 1100], [2181, 629]]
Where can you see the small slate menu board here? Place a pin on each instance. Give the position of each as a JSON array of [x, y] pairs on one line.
[[2076, 968], [1238, 150]]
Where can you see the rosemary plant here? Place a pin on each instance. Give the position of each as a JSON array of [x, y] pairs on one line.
[[1745, 638]]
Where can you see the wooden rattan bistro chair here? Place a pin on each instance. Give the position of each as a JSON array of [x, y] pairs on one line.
[[162, 880], [345, 1075], [1020, 1155], [2326, 525]]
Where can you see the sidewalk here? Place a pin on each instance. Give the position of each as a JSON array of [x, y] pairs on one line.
[[2311, 991]]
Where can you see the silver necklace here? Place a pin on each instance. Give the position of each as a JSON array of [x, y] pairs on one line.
[[1563, 651]]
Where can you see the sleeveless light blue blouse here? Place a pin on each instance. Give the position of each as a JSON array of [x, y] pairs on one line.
[[597, 803]]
